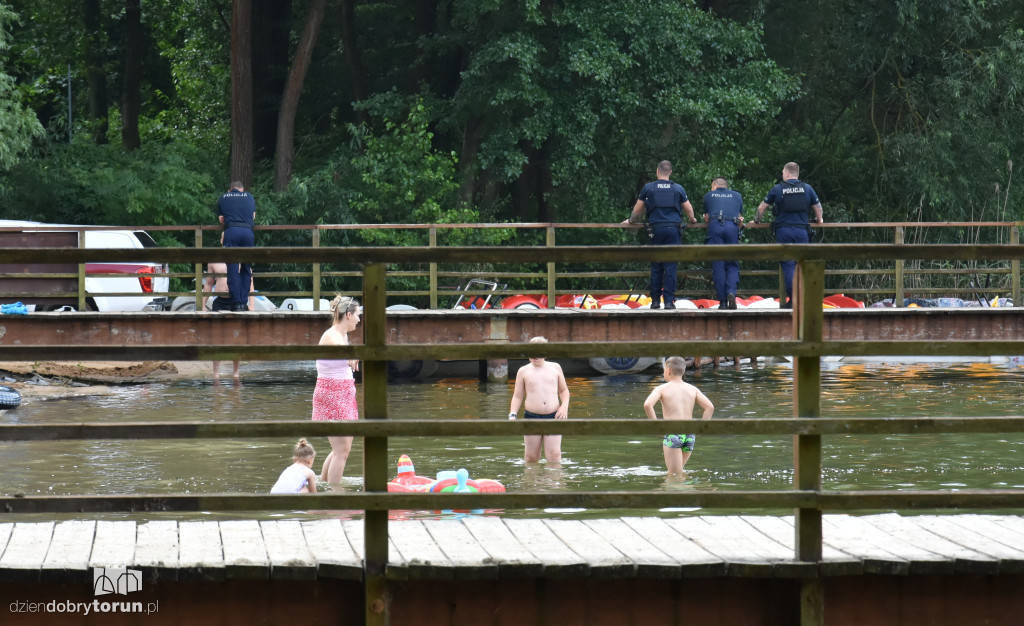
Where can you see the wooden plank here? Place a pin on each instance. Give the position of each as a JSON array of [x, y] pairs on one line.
[[740, 556], [559, 560], [245, 553], [5, 534], [911, 531], [833, 562], [200, 553], [114, 544], [879, 552], [329, 545], [423, 558], [67, 558], [648, 559], [156, 549], [290, 558], [1010, 543], [468, 557], [781, 554], [513, 559], [397, 569], [978, 554], [603, 559], [25, 552], [694, 560]]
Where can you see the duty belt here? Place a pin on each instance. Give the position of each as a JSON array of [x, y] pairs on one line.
[[238, 225]]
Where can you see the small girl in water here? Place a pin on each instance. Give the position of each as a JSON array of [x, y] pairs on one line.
[[299, 476]]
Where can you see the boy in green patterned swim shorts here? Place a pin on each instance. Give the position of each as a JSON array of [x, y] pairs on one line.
[[677, 399]]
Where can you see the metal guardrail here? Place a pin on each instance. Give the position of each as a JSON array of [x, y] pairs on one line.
[[808, 498], [897, 280]]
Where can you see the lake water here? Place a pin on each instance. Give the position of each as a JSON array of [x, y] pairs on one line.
[[282, 391]]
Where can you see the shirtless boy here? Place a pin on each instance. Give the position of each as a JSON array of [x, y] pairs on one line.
[[543, 386], [677, 399]]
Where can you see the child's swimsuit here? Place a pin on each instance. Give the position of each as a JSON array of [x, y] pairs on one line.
[[537, 416], [292, 480], [684, 442]]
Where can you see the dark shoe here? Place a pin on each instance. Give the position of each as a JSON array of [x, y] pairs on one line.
[[731, 302], [655, 305], [238, 307], [670, 305]]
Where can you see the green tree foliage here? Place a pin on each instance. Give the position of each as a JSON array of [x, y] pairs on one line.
[[19, 123]]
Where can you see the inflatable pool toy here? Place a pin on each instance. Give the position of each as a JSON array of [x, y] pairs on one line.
[[407, 480], [447, 481]]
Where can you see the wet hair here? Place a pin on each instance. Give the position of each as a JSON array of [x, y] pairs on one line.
[[303, 451], [793, 169], [665, 167], [722, 182], [341, 306], [676, 365]]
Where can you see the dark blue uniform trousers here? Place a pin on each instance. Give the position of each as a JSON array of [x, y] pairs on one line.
[[790, 234], [663, 275], [239, 274], [726, 274]]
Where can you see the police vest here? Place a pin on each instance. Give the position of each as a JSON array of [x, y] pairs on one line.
[[662, 201], [792, 207], [723, 204]]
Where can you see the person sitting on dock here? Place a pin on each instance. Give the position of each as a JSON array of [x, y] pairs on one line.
[[298, 477], [542, 385], [677, 399]]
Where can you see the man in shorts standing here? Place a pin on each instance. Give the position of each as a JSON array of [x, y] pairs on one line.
[[546, 395], [677, 399]]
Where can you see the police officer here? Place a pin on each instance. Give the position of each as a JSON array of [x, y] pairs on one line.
[[236, 211], [665, 202], [723, 212], [793, 200]]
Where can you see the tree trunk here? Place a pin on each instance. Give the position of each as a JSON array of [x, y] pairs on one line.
[[290, 99], [131, 99], [271, 29], [241, 92], [356, 73], [96, 76], [468, 165]]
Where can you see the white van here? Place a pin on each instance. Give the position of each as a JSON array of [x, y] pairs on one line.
[[137, 278]]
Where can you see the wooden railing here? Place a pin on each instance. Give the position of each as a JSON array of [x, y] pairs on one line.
[[870, 279], [808, 498]]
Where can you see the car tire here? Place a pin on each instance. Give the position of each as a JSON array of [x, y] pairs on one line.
[[9, 398]]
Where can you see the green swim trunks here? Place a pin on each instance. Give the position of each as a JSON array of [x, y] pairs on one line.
[[679, 441]]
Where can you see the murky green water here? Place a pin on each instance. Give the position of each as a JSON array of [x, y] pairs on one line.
[[276, 391]]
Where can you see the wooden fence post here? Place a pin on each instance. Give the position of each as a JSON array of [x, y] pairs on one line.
[[808, 321], [1015, 266], [199, 271], [898, 297], [433, 268], [375, 449], [551, 268], [81, 274], [316, 271]]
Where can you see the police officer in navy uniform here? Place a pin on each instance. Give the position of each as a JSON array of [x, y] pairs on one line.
[[665, 202], [723, 212], [236, 211], [793, 201]]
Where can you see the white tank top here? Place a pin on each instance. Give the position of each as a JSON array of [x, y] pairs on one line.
[[333, 368]]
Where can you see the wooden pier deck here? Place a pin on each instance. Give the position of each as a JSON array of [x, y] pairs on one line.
[[489, 548], [876, 569]]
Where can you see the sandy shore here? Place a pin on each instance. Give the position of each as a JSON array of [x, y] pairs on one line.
[[67, 378]]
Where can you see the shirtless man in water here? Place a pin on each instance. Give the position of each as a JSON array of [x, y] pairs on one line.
[[543, 386], [677, 399]]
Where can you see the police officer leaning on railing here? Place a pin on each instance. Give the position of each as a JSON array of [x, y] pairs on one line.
[[792, 201], [236, 211], [665, 202], [723, 212]]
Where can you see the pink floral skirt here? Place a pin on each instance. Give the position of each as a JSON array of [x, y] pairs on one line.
[[335, 399]]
